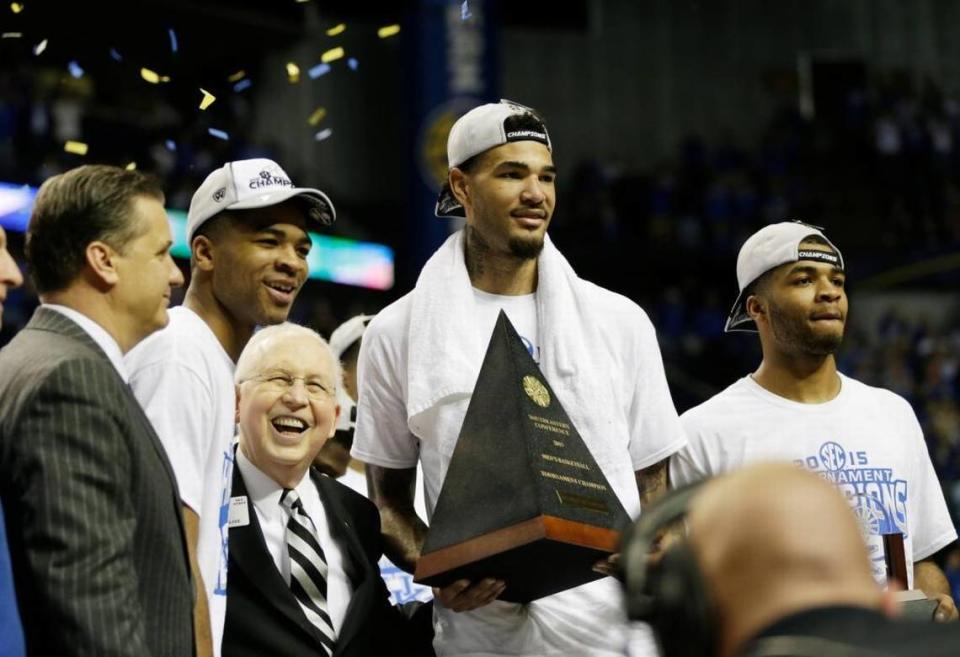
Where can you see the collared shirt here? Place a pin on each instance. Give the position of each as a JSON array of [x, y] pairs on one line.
[[98, 334], [265, 495]]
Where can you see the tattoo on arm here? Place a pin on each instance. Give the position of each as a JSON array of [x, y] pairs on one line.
[[652, 482]]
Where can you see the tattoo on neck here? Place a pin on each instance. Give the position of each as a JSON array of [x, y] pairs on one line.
[[476, 253]]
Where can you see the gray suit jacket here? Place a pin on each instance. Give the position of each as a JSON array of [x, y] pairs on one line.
[[92, 509]]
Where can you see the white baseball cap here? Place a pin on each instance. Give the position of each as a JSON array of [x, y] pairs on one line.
[[248, 184], [481, 129], [768, 248], [347, 333]]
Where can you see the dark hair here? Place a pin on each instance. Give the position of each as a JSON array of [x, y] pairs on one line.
[[514, 122], [351, 354], [73, 209]]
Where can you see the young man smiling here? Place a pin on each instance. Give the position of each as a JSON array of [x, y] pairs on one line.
[[798, 407], [247, 227], [420, 358]]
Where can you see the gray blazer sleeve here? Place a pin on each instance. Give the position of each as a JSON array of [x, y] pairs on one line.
[[79, 518]]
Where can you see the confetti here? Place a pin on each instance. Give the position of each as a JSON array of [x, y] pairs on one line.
[[388, 31], [243, 84], [16, 7], [40, 47], [323, 134], [465, 11], [332, 55], [173, 39], [207, 99], [219, 134], [131, 166], [337, 29], [11, 35], [353, 63], [293, 73], [116, 55], [150, 76], [75, 69], [317, 116], [76, 147], [236, 77], [318, 70], [171, 145]]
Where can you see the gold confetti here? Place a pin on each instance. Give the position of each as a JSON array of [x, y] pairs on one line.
[[150, 76], [11, 35], [293, 72], [207, 100], [16, 7], [236, 77], [164, 78], [76, 147], [331, 55], [317, 116], [388, 31], [131, 166], [337, 29]]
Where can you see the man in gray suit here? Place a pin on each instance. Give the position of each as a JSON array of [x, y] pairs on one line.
[[93, 512]]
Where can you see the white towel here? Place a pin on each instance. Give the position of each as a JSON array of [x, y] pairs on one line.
[[448, 349]]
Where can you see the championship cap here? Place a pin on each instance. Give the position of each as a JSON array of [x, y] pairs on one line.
[[248, 184], [347, 333], [481, 129], [768, 248]]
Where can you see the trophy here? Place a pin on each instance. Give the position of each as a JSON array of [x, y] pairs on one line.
[[523, 500]]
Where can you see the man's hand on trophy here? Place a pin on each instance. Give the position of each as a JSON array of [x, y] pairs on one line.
[[947, 609], [464, 596]]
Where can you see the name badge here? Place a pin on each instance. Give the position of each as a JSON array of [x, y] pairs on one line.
[[239, 515]]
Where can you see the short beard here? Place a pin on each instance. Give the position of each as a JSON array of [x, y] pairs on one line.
[[790, 330], [525, 249]]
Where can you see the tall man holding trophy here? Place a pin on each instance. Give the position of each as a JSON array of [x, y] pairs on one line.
[[590, 362]]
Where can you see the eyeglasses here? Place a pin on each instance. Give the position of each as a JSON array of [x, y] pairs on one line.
[[282, 382]]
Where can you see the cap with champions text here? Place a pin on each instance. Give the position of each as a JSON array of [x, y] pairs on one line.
[[249, 184], [768, 248], [481, 129]]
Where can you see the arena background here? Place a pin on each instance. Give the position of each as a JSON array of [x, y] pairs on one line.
[[679, 128]]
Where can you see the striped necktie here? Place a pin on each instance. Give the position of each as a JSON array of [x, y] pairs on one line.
[[308, 569]]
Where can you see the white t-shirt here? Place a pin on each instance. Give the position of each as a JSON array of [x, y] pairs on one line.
[[184, 380], [264, 494], [398, 581], [866, 440], [521, 310], [588, 620]]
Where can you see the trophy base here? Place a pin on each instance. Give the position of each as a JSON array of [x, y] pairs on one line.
[[536, 558]]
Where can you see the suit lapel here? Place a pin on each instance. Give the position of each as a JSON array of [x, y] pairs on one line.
[[344, 532], [248, 551], [45, 319]]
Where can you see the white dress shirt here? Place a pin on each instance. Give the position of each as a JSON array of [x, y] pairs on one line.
[[265, 494], [98, 334]]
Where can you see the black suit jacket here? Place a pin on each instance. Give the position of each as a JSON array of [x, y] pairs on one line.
[[263, 617], [92, 509]]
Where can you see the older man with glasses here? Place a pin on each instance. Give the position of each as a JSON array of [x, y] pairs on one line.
[[303, 547]]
